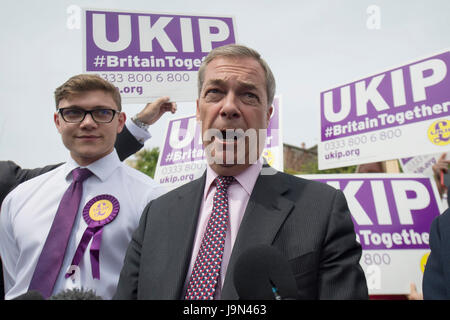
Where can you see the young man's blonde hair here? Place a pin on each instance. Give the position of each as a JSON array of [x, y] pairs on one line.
[[83, 83], [238, 51]]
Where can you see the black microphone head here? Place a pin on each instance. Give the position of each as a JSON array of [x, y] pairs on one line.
[[30, 295], [260, 269]]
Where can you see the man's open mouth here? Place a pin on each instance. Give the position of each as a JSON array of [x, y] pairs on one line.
[[230, 135]]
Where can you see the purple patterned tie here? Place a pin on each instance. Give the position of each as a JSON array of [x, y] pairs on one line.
[[52, 255], [205, 273]]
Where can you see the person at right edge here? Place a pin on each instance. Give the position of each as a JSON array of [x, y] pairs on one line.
[[249, 204], [436, 277]]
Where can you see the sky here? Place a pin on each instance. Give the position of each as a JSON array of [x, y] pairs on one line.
[[311, 46]]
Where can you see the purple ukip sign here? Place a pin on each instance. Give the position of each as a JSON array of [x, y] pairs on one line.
[[126, 41], [388, 211], [408, 94]]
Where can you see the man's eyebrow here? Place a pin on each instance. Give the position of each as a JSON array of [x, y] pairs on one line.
[[74, 106], [247, 85], [216, 82], [220, 82]]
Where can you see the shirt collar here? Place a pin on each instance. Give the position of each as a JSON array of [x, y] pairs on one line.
[[246, 179], [102, 168]]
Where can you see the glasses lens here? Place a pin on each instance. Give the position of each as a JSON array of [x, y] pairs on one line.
[[103, 115], [72, 115]]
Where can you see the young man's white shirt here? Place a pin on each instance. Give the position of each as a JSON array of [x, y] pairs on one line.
[[28, 212]]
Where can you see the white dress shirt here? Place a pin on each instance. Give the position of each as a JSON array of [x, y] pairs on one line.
[[139, 134], [28, 211]]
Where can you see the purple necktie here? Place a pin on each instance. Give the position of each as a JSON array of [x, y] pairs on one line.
[[205, 274], [52, 255]]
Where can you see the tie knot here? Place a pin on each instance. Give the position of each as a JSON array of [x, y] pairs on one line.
[[81, 174], [222, 182]]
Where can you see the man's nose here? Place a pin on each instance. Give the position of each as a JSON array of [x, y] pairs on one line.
[[88, 121], [230, 107]]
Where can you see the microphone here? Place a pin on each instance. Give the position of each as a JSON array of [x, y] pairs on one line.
[[68, 294], [30, 295], [263, 273], [76, 294]]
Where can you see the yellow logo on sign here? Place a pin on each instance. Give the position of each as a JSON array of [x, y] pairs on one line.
[[100, 210], [268, 155], [439, 132], [423, 261]]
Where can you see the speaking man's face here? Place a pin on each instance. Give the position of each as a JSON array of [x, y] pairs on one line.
[[233, 111]]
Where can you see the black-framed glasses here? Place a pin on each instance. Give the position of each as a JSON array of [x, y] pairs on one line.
[[75, 115]]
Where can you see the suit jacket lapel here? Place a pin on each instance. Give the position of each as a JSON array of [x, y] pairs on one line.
[[265, 213], [445, 252], [183, 221]]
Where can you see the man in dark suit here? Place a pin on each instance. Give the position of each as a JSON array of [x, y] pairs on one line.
[[11, 175], [308, 222], [441, 176], [436, 278]]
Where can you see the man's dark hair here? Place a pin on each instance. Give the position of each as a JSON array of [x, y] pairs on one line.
[[83, 83]]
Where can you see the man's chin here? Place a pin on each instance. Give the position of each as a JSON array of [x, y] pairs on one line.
[[86, 157], [228, 169], [228, 165]]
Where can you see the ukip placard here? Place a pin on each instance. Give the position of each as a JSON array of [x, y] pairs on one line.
[[400, 113], [149, 55], [392, 215]]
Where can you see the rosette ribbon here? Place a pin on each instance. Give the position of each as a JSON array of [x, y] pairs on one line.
[[97, 213]]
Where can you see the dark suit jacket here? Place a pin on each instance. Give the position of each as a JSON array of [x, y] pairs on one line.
[[11, 175], [436, 278], [309, 222]]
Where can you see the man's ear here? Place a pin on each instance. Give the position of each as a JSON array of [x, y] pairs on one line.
[[197, 113], [269, 114], [122, 120], [57, 121]]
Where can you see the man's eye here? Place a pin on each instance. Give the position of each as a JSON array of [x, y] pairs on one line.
[[251, 97], [72, 112], [103, 112], [212, 91], [213, 94]]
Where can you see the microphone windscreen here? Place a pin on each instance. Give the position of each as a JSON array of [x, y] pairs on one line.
[[30, 295], [261, 268], [76, 294]]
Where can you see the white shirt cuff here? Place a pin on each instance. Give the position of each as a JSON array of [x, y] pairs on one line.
[[140, 134]]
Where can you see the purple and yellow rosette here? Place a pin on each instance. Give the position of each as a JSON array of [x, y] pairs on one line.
[[98, 212]]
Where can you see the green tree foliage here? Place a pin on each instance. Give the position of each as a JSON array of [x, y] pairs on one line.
[[146, 161]]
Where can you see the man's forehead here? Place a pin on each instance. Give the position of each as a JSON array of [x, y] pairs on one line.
[[225, 62], [98, 97], [246, 70], [245, 84], [91, 94]]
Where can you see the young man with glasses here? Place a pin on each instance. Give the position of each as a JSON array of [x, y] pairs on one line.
[[110, 197]]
